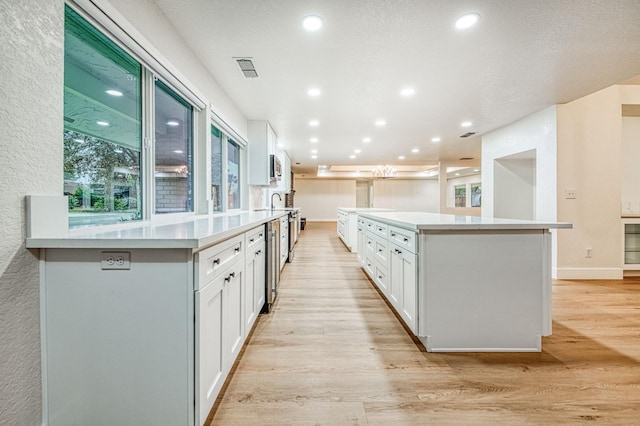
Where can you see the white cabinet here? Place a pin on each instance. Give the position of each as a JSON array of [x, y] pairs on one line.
[[342, 225], [403, 290], [360, 237], [262, 144], [284, 240], [220, 334], [255, 274]]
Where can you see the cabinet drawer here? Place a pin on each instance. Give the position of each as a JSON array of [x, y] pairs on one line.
[[381, 278], [211, 261], [381, 251], [380, 229], [403, 238], [255, 237], [369, 245]]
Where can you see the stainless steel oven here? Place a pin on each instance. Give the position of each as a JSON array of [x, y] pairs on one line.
[[273, 263]]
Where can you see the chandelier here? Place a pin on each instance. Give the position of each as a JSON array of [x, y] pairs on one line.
[[384, 172]]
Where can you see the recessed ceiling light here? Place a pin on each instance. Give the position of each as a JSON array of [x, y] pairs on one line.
[[457, 174], [435, 139], [380, 123], [352, 156], [476, 170], [172, 123], [313, 140], [466, 124], [357, 172], [314, 91], [366, 140], [401, 157], [314, 156], [415, 150], [102, 123], [312, 23], [113, 92], [314, 123], [408, 91], [314, 151], [177, 151], [357, 151], [467, 21]]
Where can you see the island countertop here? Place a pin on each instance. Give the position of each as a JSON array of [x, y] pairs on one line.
[[196, 232], [422, 221]]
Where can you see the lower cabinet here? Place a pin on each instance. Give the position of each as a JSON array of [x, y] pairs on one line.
[[255, 274], [391, 262], [403, 289], [220, 334]]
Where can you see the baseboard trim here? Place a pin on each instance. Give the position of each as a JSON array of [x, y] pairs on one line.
[[587, 273]]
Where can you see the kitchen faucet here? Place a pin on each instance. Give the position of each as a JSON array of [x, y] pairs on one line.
[[279, 197]]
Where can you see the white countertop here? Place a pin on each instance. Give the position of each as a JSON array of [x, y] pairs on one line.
[[419, 221], [363, 209], [196, 232]]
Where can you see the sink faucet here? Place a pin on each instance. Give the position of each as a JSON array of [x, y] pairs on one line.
[[279, 197]]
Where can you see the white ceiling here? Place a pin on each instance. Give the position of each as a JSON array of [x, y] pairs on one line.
[[521, 57]]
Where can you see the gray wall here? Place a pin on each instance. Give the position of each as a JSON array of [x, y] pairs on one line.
[[31, 115]]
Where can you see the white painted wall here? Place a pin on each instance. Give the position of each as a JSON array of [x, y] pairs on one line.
[[31, 140], [590, 158], [630, 165], [319, 198], [406, 194], [514, 194], [535, 132]]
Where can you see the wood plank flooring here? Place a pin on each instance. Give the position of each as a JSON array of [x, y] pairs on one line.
[[333, 353]]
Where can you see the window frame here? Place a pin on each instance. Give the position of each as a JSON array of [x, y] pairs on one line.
[[152, 69]]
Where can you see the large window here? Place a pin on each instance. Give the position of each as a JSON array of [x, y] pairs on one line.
[[173, 159], [105, 170], [226, 168], [102, 127]]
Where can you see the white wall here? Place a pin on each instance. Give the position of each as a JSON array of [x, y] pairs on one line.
[[319, 198], [31, 139], [514, 194], [590, 159], [406, 194], [630, 170], [535, 132]]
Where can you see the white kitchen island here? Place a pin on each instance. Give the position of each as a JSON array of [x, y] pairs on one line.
[[463, 283], [142, 323], [347, 224]]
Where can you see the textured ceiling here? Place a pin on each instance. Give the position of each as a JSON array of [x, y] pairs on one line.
[[521, 57]]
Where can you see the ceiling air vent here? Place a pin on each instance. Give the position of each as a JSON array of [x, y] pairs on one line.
[[466, 158], [246, 65], [466, 135]]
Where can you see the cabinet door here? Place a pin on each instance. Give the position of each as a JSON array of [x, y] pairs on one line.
[[232, 311], [397, 277], [409, 289], [210, 369], [254, 286], [361, 243]]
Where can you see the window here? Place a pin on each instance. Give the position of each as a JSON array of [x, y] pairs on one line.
[[216, 169], [105, 167], [476, 195], [461, 195], [233, 175], [102, 127], [173, 159]]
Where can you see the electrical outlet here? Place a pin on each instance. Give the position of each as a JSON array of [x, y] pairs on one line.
[[115, 260], [587, 252], [570, 193]]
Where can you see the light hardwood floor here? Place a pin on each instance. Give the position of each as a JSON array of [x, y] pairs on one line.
[[333, 353]]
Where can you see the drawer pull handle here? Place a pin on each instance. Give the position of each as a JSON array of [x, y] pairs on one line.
[[237, 249], [251, 240], [258, 252], [216, 261], [260, 236], [406, 240], [379, 250], [393, 234]]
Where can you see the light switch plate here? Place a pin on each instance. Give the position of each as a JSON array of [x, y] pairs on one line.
[[115, 260]]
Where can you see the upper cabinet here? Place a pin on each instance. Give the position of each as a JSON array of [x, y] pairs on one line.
[[262, 144]]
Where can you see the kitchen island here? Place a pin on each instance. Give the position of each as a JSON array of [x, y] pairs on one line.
[[141, 323], [462, 283], [347, 224]]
